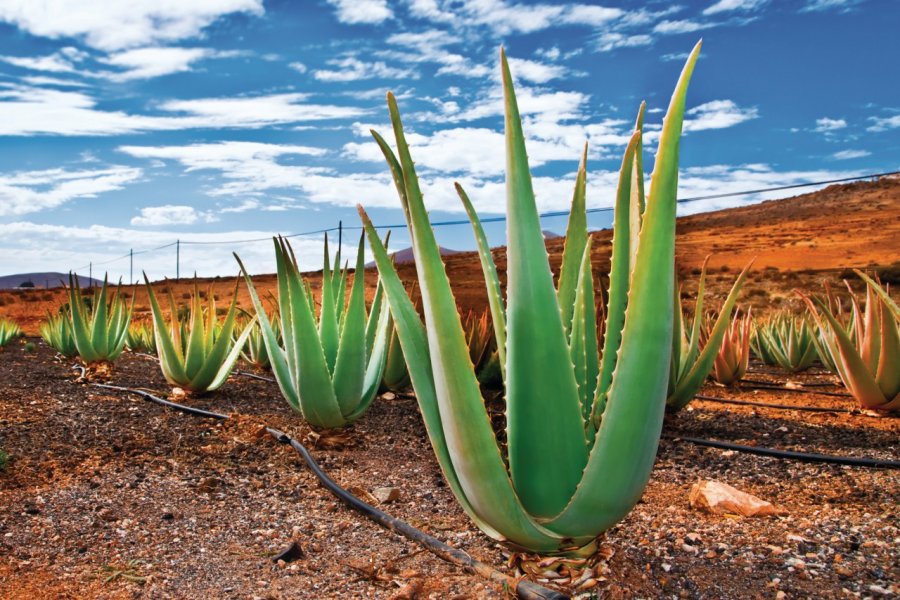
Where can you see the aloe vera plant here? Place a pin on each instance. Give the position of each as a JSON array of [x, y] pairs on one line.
[[57, 332], [140, 338], [691, 363], [867, 358], [573, 465], [396, 375], [788, 341], [196, 354], [254, 350], [9, 330], [99, 331], [733, 357], [330, 368]]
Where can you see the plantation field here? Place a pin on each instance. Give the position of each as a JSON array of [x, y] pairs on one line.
[[103, 483], [798, 242]]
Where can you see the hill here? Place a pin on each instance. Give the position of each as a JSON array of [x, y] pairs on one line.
[[42, 280]]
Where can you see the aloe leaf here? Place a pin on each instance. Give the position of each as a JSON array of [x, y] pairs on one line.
[[636, 212], [583, 339], [350, 365], [491, 279], [882, 293], [573, 249], [632, 421], [619, 279], [547, 450], [475, 472], [169, 356], [328, 322]]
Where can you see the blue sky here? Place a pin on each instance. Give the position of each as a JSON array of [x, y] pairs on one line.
[[131, 125]]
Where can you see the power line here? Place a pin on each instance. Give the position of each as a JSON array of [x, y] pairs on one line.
[[495, 219]]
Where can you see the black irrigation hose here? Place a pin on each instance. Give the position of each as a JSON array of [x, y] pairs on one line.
[[784, 383], [254, 376], [524, 589], [778, 406], [791, 455], [796, 391]]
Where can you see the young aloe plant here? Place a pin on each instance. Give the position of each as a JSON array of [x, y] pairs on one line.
[[254, 350], [57, 332], [569, 470], [396, 375], [787, 340], [198, 354], [140, 338], [99, 331], [870, 367], [329, 369], [9, 330], [734, 356], [691, 364]]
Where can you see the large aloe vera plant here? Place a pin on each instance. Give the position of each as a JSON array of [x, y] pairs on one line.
[[582, 430], [691, 363], [330, 368], [196, 354], [867, 357], [99, 331]]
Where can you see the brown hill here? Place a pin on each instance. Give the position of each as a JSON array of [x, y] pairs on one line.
[[798, 242]]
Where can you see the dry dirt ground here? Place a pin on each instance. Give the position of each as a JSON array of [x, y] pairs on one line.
[[110, 496]]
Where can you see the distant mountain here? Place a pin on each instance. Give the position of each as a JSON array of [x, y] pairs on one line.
[[41, 280], [550, 235], [406, 256]]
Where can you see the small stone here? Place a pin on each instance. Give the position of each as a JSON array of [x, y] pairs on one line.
[[385, 495]]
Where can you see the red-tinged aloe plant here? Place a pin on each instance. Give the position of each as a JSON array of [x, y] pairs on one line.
[[868, 357], [733, 357], [582, 430]]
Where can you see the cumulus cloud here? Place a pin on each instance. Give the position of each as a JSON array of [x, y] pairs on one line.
[[42, 111], [827, 125], [733, 5], [145, 63], [884, 123], [717, 114], [850, 154], [356, 12], [120, 25], [351, 68], [535, 71], [24, 192], [170, 214]]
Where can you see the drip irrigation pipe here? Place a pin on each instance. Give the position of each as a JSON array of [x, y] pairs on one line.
[[778, 406], [797, 391], [850, 461], [523, 588], [783, 383], [254, 376]]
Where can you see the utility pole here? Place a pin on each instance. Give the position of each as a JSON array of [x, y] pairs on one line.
[[177, 260], [340, 235], [131, 265], [91, 275]]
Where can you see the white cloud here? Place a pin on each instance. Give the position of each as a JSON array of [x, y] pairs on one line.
[[145, 63], [823, 5], [57, 62], [120, 25], [42, 111], [40, 80], [717, 114], [26, 192], [730, 5], [355, 12], [884, 123], [613, 39], [538, 72], [351, 68], [170, 214], [850, 154], [680, 26], [298, 66], [827, 125]]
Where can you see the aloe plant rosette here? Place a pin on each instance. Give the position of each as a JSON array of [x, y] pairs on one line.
[[330, 368], [867, 357], [574, 464], [99, 331]]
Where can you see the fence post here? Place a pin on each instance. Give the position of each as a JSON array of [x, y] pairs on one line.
[[177, 260], [131, 265]]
